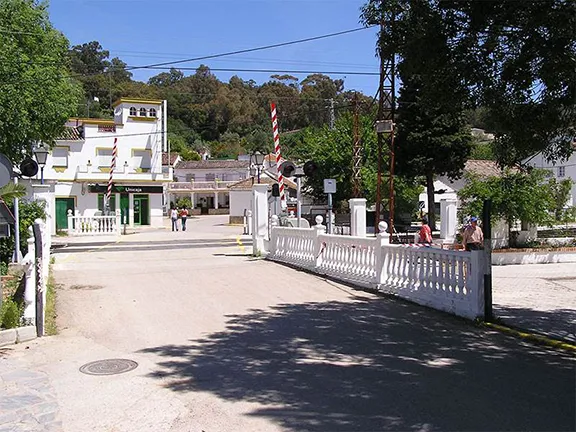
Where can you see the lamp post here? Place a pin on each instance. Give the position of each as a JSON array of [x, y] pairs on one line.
[[41, 154], [257, 159]]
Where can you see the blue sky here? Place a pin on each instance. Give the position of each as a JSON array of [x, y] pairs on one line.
[[152, 31]]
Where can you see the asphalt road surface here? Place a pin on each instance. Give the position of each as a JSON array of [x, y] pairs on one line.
[[226, 342]]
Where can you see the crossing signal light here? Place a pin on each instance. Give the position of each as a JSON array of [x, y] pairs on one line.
[[310, 168], [275, 190]]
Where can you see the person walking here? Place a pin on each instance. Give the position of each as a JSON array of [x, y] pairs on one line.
[[473, 237], [425, 234], [174, 218], [184, 217]]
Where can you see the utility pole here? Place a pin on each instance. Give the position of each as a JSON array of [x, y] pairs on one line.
[[356, 153], [332, 116], [386, 114]]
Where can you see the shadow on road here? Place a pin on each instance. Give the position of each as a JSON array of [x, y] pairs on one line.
[[375, 364], [557, 324]]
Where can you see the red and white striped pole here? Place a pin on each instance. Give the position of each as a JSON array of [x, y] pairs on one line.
[[112, 167], [276, 135]]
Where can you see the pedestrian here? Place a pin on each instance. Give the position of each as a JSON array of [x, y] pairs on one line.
[[184, 217], [425, 234], [174, 218], [473, 237]]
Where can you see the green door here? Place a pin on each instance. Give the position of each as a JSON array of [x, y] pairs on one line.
[[62, 207], [141, 210], [124, 209]]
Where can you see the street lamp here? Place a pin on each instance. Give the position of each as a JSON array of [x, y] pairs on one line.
[[257, 159], [41, 154]]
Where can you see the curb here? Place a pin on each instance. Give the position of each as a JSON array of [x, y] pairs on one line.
[[533, 337], [17, 335]]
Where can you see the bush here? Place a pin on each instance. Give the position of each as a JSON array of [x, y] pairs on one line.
[[10, 314], [3, 268], [184, 202]]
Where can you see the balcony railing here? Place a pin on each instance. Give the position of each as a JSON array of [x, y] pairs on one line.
[[196, 186]]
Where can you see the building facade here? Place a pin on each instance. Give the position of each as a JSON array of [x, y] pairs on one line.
[[78, 167]]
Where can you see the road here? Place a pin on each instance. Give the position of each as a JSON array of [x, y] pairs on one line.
[[226, 342]]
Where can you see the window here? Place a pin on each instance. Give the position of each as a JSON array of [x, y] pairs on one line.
[[60, 157], [152, 112], [190, 177], [112, 202], [104, 157], [210, 177], [142, 112], [561, 171], [142, 159], [133, 111]]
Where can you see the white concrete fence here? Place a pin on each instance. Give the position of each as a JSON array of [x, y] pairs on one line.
[[94, 225], [35, 290]]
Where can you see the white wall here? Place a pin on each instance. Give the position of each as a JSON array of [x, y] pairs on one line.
[[569, 165], [240, 200], [441, 183], [224, 174]]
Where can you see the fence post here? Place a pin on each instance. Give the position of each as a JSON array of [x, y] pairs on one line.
[[259, 217], [38, 261], [30, 284], [382, 239], [118, 224], [319, 246], [358, 217], [272, 245], [477, 283], [70, 222]]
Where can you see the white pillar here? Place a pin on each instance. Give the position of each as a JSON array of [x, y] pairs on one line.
[[259, 217], [193, 199], [358, 217], [44, 192], [216, 200], [448, 221], [30, 287]]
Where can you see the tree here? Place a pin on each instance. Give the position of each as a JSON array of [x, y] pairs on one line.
[[36, 94], [561, 196], [516, 197], [519, 60], [433, 138]]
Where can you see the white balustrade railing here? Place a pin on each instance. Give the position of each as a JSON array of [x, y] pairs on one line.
[[94, 225], [349, 258], [296, 246], [200, 185], [451, 281]]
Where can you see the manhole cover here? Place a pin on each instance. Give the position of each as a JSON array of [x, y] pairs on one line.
[[108, 367]]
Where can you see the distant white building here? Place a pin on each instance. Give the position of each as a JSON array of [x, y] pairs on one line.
[[78, 167], [562, 170]]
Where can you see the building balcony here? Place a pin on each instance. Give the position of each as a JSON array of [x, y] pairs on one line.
[[89, 172], [198, 186]]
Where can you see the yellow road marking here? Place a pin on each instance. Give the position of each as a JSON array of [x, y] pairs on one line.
[[533, 337], [240, 245]]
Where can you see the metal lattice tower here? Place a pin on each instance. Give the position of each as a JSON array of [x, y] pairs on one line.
[[386, 114], [356, 154]]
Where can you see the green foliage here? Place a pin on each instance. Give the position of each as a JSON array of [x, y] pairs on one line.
[[10, 314], [36, 94], [560, 191], [184, 202], [29, 212], [482, 150], [10, 191], [515, 196], [3, 268]]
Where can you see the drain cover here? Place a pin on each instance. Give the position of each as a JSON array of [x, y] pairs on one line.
[[108, 367]]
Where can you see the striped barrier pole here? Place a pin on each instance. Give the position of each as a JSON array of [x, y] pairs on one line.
[[276, 136], [110, 178]]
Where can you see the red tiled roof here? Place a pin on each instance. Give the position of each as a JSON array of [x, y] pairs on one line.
[[484, 168], [212, 164], [173, 158], [71, 133], [247, 183]]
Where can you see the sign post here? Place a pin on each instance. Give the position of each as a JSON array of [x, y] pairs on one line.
[[329, 188]]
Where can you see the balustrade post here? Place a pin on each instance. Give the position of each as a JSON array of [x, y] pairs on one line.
[[274, 222], [70, 222], [476, 285], [319, 246], [118, 224], [383, 239]]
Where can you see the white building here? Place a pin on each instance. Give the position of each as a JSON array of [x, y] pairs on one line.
[[206, 182], [78, 167], [562, 170]]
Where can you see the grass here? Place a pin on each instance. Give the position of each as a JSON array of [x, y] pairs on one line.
[[50, 326]]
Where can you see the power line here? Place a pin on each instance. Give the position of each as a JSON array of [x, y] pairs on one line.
[[273, 71], [261, 48]]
